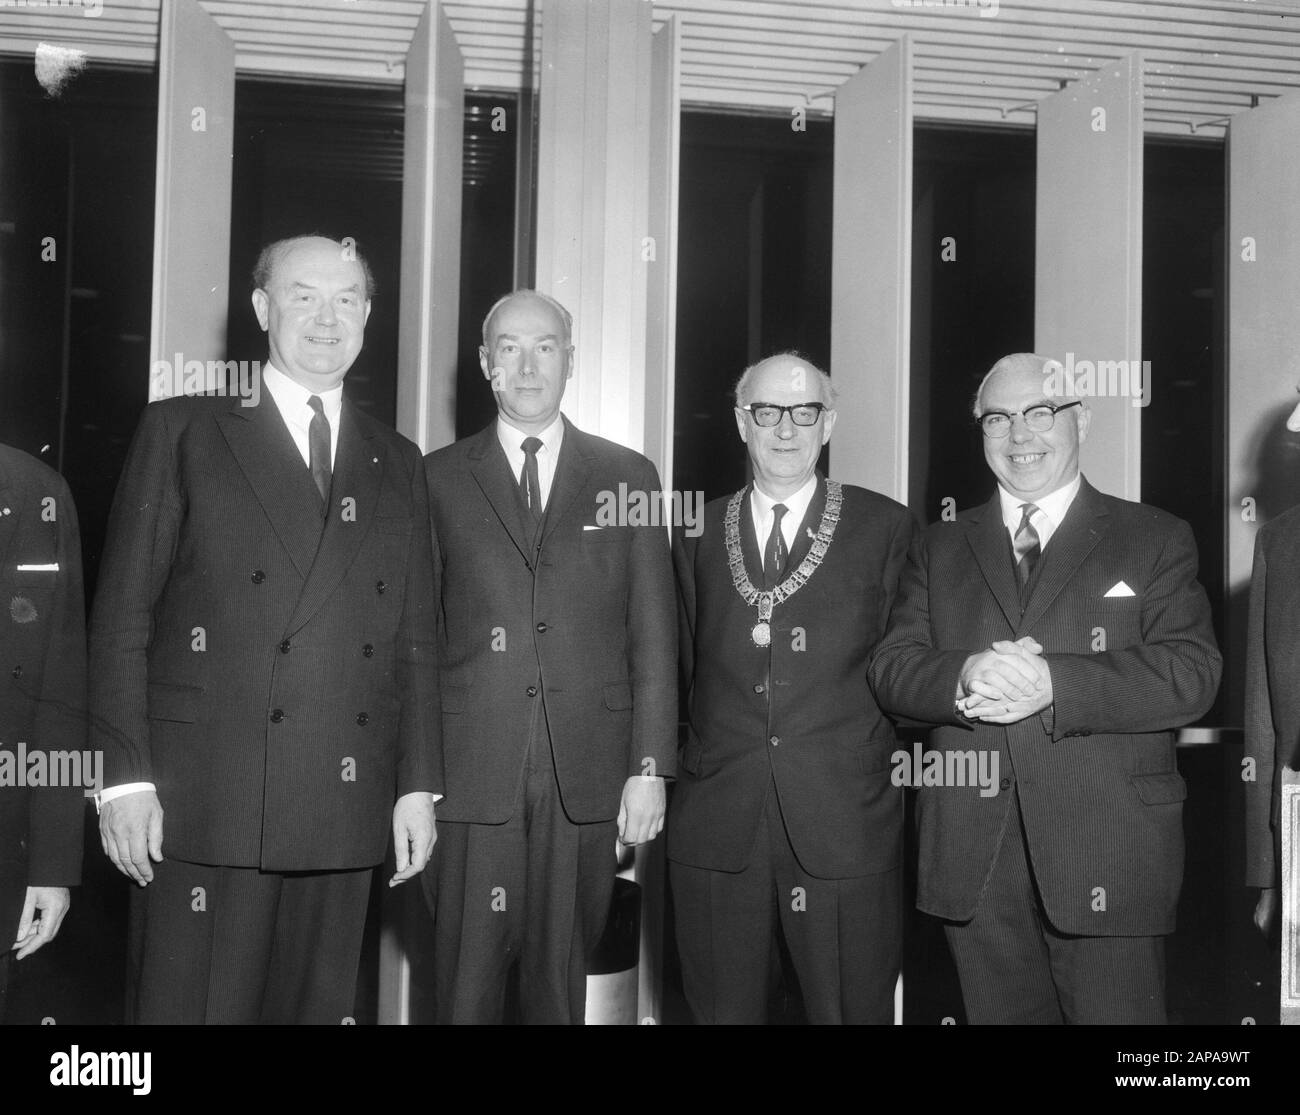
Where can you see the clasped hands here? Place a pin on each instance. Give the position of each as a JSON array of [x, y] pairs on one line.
[[1006, 683]]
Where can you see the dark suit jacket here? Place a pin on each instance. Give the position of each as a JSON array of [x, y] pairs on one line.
[[43, 692], [1272, 693], [276, 683], [797, 712], [1099, 788], [582, 621]]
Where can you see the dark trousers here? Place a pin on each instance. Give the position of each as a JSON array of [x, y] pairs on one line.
[[843, 935], [238, 945], [532, 892], [1015, 968]]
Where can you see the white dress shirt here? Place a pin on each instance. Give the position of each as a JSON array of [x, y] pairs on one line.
[[548, 456], [760, 508], [291, 401], [1050, 514]]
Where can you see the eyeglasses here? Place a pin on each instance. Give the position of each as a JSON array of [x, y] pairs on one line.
[[1039, 418], [770, 414]]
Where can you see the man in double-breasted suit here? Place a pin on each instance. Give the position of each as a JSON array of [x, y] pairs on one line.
[[557, 660], [262, 669], [1062, 634], [784, 812], [42, 706]]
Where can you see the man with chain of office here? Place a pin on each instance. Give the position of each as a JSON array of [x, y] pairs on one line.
[[784, 818]]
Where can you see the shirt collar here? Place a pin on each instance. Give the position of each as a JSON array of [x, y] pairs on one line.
[[796, 503], [1054, 505], [291, 397], [512, 438]]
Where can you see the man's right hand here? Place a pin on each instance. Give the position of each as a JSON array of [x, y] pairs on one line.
[[1001, 677], [131, 831]]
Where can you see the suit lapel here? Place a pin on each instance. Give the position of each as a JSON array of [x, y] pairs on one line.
[[571, 472], [811, 520], [270, 461], [749, 540], [1085, 525], [987, 536], [491, 471], [359, 464]]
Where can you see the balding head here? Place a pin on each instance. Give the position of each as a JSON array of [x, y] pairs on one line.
[[1030, 464]]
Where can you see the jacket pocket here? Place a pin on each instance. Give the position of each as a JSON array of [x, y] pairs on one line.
[[618, 696], [873, 756], [454, 698], [177, 703], [1160, 789]]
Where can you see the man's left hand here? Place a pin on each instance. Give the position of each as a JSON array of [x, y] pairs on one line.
[[991, 711], [33, 932], [414, 834], [641, 812]]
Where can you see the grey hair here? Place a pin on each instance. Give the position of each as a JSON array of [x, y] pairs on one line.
[[565, 316], [1016, 362], [829, 395], [270, 257]]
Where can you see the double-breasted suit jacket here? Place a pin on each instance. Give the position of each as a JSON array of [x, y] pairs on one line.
[[42, 685], [577, 617], [271, 672], [1125, 629]]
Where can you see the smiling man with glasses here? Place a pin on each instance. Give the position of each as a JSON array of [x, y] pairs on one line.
[[784, 816], [1063, 632]]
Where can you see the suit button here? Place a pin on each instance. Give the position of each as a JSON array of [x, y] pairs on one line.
[[368, 650], [362, 719], [759, 689], [17, 671], [277, 714], [531, 691], [381, 587], [258, 577], [284, 647], [541, 629], [1005, 783], [775, 741]]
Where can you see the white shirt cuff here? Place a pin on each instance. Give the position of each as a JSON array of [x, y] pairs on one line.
[[105, 796]]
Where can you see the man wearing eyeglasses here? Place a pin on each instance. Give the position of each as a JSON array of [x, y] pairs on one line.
[[1063, 633], [784, 816]]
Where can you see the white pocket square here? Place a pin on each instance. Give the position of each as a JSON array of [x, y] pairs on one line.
[[1119, 588], [53, 567], [586, 527]]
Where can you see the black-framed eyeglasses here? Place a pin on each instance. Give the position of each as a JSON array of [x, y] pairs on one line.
[[770, 414], [1039, 418]]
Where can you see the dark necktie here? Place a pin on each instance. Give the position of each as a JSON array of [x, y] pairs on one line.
[[1026, 546], [318, 443], [530, 483], [774, 553]]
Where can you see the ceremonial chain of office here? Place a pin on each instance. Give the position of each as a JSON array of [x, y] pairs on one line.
[[762, 632]]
